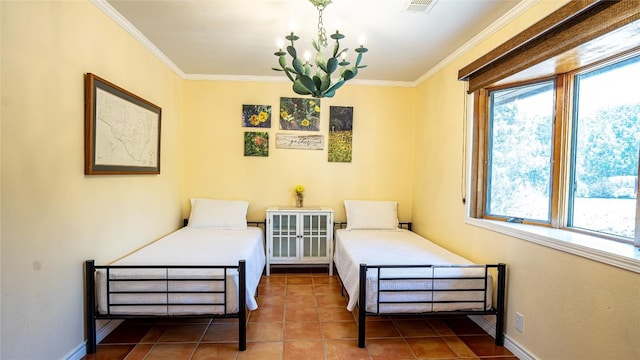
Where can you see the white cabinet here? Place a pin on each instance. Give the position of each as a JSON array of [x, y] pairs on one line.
[[301, 236]]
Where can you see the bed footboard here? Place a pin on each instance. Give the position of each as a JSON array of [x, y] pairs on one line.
[[92, 312], [429, 296]]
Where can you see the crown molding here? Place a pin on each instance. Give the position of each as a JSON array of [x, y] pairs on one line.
[[133, 31], [283, 79], [479, 38]]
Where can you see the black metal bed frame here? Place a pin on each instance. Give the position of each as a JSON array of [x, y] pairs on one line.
[[92, 314], [497, 310]]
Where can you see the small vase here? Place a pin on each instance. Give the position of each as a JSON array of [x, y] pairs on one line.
[[299, 199]]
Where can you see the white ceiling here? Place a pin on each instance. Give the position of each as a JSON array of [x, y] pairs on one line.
[[237, 38]]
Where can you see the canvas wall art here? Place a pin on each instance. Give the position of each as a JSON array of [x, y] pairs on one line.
[[256, 143], [299, 114], [256, 116], [340, 133]]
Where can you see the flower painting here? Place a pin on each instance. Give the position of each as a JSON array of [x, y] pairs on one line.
[[256, 116], [256, 144], [299, 114], [340, 133]]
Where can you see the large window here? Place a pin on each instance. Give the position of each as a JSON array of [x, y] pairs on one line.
[[520, 148], [563, 151], [604, 166]]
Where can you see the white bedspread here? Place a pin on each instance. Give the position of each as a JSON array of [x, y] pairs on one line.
[[189, 246], [402, 247]]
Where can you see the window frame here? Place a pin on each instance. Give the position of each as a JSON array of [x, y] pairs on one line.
[[488, 142], [561, 153]]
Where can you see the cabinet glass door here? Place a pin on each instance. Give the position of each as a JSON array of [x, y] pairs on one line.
[[314, 236], [284, 236]]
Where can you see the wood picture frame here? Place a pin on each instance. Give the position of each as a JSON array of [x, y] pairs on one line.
[[122, 130]]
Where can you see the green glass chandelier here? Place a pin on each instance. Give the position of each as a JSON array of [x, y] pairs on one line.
[[318, 82]]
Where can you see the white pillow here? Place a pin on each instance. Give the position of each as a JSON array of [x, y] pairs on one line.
[[371, 215], [219, 214]]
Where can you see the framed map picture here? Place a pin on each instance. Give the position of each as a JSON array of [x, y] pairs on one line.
[[121, 131]]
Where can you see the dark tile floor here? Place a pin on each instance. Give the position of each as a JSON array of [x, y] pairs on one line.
[[301, 315]]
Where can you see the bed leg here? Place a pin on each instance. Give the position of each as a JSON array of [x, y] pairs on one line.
[[90, 299], [242, 306], [500, 306], [362, 306]]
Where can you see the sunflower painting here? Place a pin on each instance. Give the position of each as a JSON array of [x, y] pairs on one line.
[[256, 144], [299, 114], [340, 133], [256, 116]]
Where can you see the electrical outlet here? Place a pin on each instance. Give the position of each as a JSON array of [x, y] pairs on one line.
[[519, 324]]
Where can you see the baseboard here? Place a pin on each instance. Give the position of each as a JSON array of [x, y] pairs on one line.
[[511, 345], [81, 350]]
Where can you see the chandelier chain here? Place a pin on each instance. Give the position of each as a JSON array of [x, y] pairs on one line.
[[322, 33]]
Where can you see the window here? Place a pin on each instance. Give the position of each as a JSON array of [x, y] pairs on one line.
[[520, 148], [563, 151], [604, 166]]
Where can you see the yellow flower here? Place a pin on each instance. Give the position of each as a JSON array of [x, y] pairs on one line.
[[299, 189], [317, 108], [284, 114], [304, 122], [254, 120], [262, 116]]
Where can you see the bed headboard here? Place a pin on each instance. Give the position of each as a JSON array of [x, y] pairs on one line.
[[343, 225], [261, 224]]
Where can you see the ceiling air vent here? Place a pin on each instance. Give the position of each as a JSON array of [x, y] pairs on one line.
[[423, 6]]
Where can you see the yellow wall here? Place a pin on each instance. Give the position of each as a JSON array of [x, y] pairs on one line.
[[574, 308], [53, 216], [215, 165], [407, 147]]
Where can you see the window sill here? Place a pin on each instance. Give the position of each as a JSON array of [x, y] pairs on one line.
[[624, 256]]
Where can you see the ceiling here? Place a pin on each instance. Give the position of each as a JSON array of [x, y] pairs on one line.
[[237, 38]]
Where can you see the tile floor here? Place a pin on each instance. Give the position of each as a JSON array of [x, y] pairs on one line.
[[302, 316]]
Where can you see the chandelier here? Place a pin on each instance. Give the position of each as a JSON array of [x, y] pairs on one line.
[[319, 83]]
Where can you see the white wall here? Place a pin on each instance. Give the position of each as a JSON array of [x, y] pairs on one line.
[[53, 216]]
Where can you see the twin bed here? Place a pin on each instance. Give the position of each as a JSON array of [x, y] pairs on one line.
[[389, 270], [212, 267]]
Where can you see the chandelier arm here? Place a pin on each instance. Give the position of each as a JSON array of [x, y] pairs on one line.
[[336, 48], [332, 65], [283, 65], [300, 89], [359, 59], [288, 73]]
